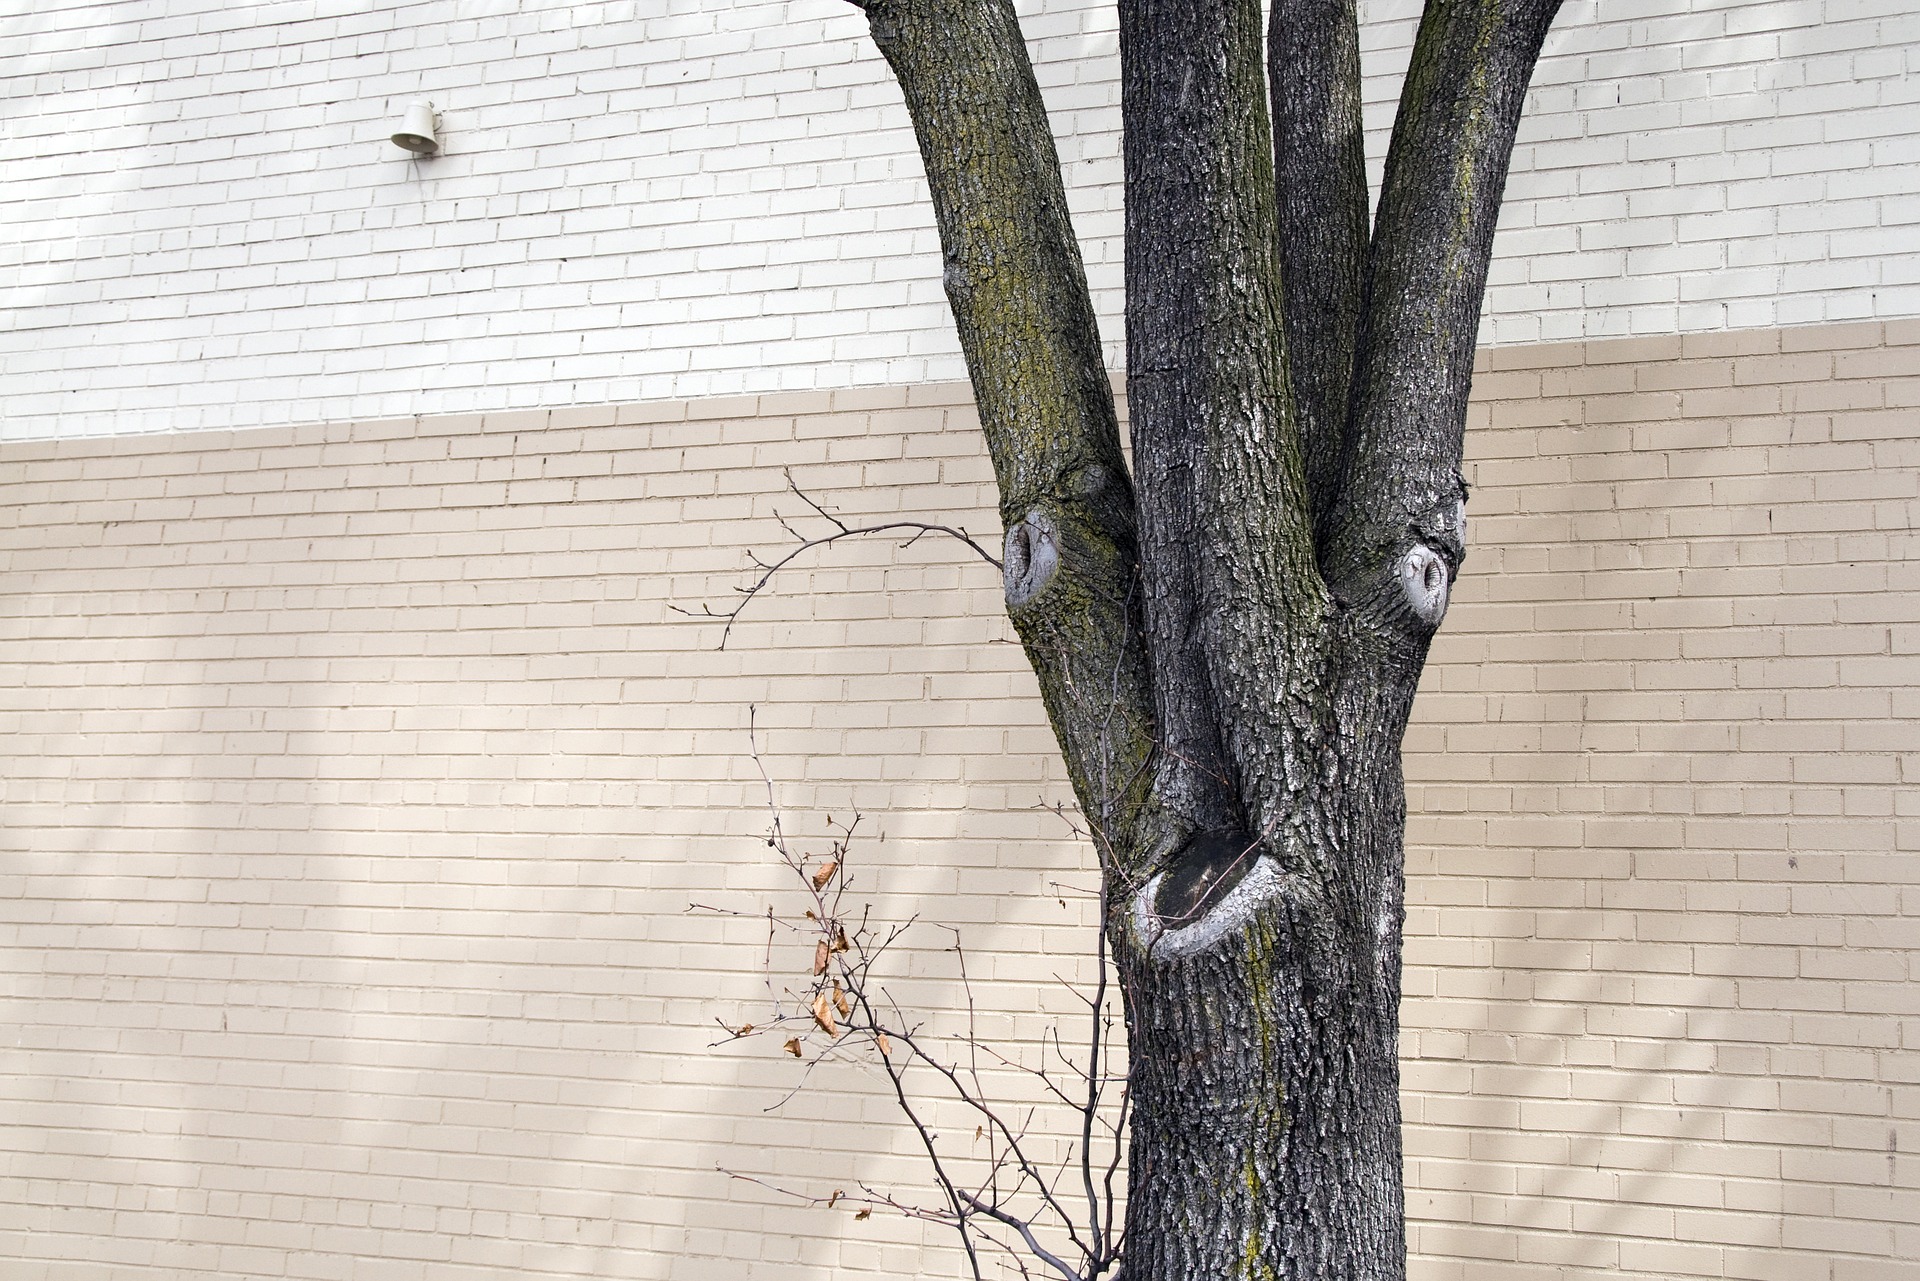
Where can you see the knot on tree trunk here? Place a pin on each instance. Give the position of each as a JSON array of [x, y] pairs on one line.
[[1437, 544], [1032, 557], [1426, 580]]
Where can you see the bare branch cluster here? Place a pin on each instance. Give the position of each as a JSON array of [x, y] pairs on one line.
[[1000, 1196]]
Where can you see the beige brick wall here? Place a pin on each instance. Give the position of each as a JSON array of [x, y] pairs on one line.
[[358, 778]]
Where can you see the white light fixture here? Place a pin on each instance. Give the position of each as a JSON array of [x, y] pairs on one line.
[[416, 130]]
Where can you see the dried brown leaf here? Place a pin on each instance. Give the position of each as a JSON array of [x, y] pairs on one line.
[[840, 1002], [823, 1014], [792, 1046], [820, 954], [866, 1213], [886, 1046], [825, 873], [840, 943]]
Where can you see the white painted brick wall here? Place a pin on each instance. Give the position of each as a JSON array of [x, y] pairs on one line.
[[202, 225]]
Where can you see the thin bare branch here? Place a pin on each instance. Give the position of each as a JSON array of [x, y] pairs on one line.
[[945, 1182], [841, 530], [1025, 1230], [1091, 1108]]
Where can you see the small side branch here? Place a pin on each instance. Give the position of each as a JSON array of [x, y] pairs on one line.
[[1026, 1234], [918, 529]]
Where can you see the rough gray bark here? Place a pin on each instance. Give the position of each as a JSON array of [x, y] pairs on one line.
[[1320, 162], [1228, 640]]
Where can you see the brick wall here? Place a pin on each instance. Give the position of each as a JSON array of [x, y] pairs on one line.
[[203, 225], [1663, 991], [359, 776]]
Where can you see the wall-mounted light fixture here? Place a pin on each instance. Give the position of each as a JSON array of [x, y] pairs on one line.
[[416, 130]]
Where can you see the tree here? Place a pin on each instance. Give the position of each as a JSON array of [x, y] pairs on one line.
[[1228, 635]]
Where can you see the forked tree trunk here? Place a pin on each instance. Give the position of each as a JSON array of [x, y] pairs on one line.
[[1228, 638]]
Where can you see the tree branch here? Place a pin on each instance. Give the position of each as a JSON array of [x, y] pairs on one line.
[[1234, 600], [1398, 536], [1019, 297], [841, 529], [1320, 170], [1025, 1230]]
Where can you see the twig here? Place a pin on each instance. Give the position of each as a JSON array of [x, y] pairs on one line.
[[841, 530]]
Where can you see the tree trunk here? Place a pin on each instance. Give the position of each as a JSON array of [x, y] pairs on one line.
[[1228, 639], [1264, 1028]]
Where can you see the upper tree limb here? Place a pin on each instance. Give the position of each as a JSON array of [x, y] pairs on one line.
[[1320, 172], [1400, 515], [1019, 296]]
